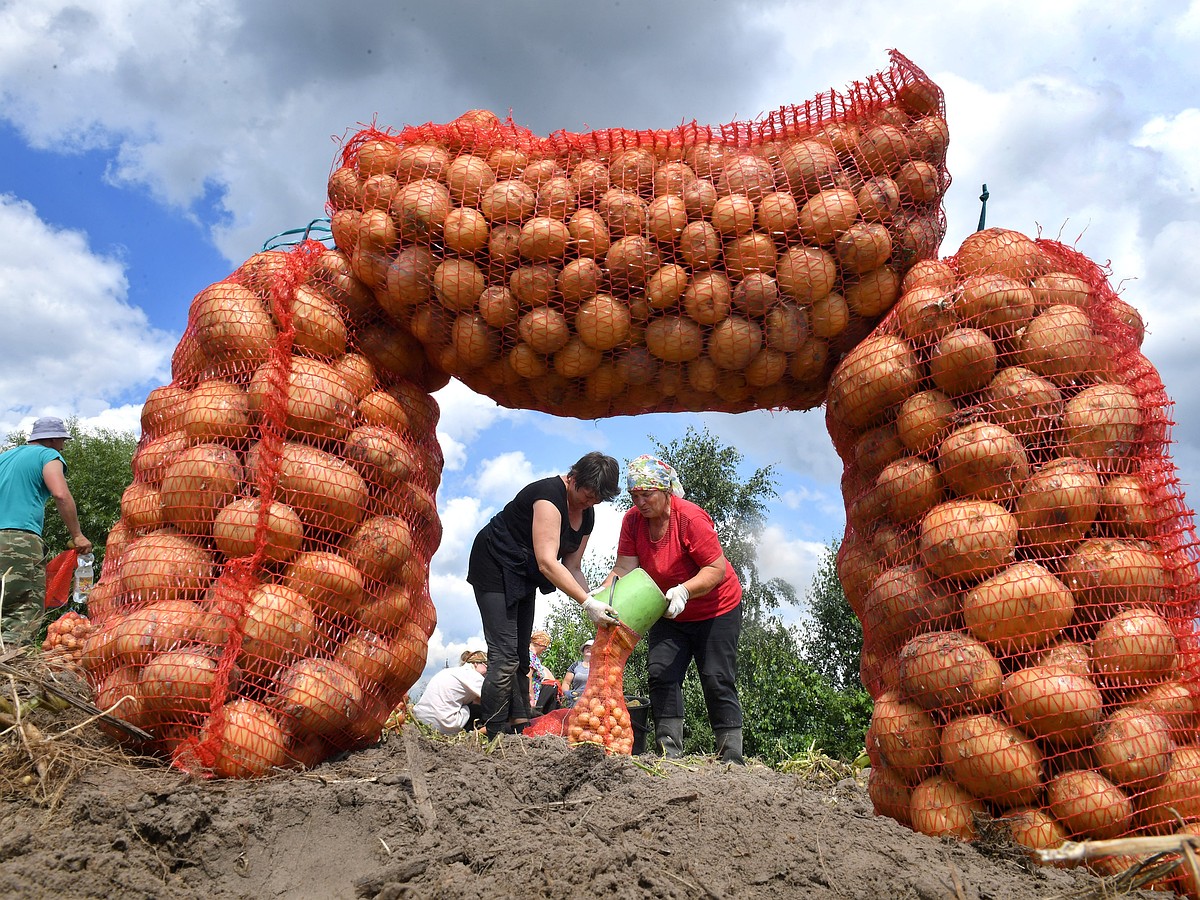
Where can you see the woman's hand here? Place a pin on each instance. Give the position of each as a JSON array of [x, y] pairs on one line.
[[600, 612], [677, 598]]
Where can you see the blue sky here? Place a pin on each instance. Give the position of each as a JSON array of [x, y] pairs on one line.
[[147, 149]]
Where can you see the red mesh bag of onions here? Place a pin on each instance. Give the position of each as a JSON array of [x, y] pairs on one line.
[[1019, 552], [617, 272], [264, 601]]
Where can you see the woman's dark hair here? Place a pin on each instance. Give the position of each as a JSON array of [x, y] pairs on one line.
[[596, 472]]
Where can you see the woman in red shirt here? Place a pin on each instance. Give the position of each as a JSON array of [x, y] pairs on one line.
[[675, 542]]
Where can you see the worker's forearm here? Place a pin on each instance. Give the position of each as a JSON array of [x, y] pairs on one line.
[[69, 514]]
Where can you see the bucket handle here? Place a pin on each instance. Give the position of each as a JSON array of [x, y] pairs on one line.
[[612, 592]]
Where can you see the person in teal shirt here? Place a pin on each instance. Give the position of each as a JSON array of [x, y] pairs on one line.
[[31, 474]]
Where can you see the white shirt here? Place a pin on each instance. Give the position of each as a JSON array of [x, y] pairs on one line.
[[443, 705]]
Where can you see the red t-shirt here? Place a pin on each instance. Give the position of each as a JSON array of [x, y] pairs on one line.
[[689, 544]]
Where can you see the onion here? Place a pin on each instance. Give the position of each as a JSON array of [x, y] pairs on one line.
[[252, 742], [1019, 609], [924, 419], [949, 670], [1058, 504], [963, 361], [142, 507], [991, 759], [734, 341], [1025, 403], [381, 547], [162, 413], [911, 487], [1106, 574], [279, 624], [216, 411], [324, 491], [320, 696], [603, 322], [235, 530], [1054, 705], [828, 215], [232, 325], [967, 539], [983, 461], [999, 251], [806, 273], [878, 374], [1134, 647], [165, 566], [1102, 422], [874, 292], [330, 583], [902, 737], [199, 481], [160, 625], [1058, 343], [318, 323], [317, 401], [178, 683]]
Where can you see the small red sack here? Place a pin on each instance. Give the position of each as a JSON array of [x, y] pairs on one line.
[[551, 723], [59, 573]]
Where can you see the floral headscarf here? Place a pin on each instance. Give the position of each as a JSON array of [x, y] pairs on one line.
[[649, 474]]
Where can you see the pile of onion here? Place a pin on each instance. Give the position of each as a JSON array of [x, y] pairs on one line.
[[619, 272], [265, 600], [1018, 553], [65, 638], [600, 715]]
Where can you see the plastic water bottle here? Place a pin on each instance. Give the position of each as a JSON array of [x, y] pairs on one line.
[[85, 575]]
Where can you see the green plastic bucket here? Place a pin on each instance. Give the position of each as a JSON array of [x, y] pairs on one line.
[[637, 600]]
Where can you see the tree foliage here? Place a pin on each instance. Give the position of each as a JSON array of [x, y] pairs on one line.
[[832, 638], [99, 469]]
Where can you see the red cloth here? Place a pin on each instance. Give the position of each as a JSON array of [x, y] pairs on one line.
[[551, 723], [60, 573], [690, 544]]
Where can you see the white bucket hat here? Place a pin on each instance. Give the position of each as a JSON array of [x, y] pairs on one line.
[[48, 427]]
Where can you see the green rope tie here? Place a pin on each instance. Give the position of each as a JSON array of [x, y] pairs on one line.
[[317, 229]]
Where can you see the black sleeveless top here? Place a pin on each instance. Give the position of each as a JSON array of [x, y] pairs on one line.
[[502, 557]]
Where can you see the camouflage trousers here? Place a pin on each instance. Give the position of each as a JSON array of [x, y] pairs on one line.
[[23, 557]]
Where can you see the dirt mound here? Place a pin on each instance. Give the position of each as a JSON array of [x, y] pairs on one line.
[[431, 818]]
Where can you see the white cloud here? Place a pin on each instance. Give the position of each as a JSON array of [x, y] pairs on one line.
[[499, 478], [782, 556], [1176, 138], [71, 344], [464, 416], [117, 418]]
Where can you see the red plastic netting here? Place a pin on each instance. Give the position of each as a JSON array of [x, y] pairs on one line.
[[618, 272], [601, 714], [265, 600], [1020, 554]]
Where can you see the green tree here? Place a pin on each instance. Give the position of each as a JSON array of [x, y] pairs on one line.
[[99, 469], [832, 638]]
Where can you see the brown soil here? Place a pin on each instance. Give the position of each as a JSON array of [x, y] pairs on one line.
[[435, 818]]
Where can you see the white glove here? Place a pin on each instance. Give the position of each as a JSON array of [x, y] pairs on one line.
[[677, 598], [600, 612]]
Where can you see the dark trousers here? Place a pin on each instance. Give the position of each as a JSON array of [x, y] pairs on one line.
[[507, 625], [476, 720], [713, 643], [547, 699]]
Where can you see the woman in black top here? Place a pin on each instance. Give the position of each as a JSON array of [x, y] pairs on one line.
[[535, 543]]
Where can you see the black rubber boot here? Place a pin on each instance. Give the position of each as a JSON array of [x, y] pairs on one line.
[[668, 737], [729, 745]]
